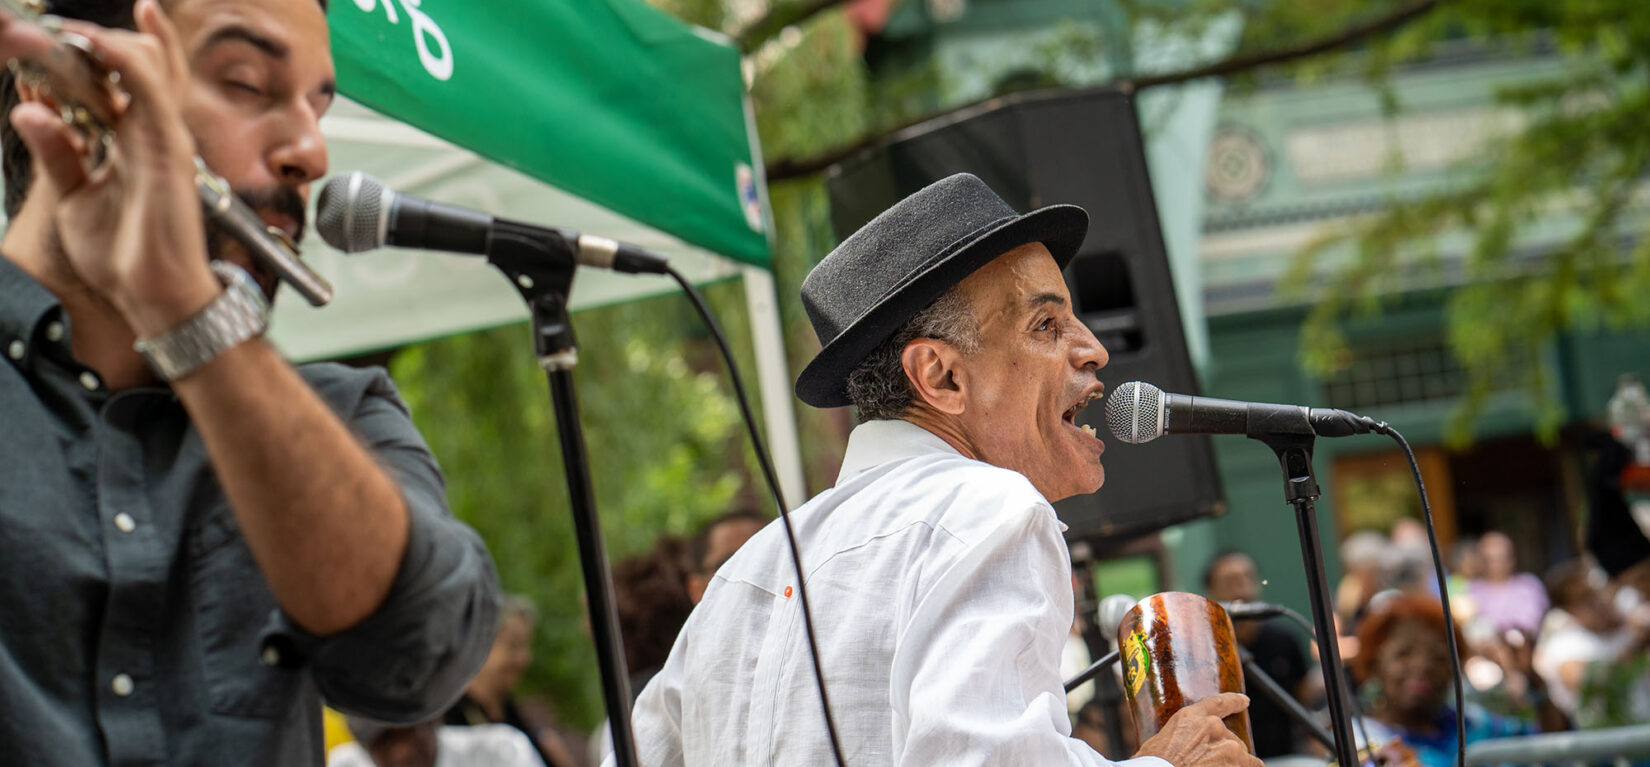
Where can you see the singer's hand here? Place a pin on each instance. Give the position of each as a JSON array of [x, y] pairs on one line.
[[1195, 736], [132, 227]]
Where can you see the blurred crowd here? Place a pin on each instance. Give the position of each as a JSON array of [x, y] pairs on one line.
[[490, 726]]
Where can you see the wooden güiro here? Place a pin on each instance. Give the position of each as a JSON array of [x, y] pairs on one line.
[[1176, 649]]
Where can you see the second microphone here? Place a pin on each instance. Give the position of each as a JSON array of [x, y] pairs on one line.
[[357, 213]]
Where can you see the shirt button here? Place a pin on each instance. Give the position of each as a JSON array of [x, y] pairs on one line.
[[89, 380], [125, 522], [15, 350], [121, 684], [54, 331]]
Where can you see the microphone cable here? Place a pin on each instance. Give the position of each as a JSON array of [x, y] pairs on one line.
[[1443, 593], [772, 478]]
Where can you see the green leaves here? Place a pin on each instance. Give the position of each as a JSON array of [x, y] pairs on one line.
[[1579, 155]]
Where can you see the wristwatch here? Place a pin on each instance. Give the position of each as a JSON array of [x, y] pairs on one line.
[[239, 313]]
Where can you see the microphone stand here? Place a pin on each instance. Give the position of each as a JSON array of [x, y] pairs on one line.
[[1255, 676], [1300, 490], [540, 265]]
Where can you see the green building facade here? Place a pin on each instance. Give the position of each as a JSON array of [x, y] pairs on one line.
[[1281, 162]]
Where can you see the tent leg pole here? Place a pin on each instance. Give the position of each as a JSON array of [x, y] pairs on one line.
[[774, 381]]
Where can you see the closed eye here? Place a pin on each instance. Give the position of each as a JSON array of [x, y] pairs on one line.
[[244, 87]]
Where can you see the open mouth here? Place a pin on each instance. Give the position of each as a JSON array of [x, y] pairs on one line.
[[1070, 416]]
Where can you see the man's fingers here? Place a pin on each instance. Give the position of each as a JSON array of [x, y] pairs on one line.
[[152, 20], [20, 39], [140, 58], [55, 147], [1222, 705]]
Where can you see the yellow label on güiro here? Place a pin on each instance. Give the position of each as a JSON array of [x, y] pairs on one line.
[[1137, 663]]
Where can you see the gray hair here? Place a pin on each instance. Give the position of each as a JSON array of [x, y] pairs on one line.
[[516, 606], [878, 387]]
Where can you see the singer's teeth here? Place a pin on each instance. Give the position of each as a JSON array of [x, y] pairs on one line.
[[1087, 429]]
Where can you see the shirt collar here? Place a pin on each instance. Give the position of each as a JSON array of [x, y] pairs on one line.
[[877, 442], [25, 305]]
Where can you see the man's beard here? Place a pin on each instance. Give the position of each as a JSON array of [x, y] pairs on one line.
[[280, 200]]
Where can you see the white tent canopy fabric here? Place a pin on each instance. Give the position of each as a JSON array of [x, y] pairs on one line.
[[389, 298]]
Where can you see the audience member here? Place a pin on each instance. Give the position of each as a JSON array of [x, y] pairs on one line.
[[716, 542], [1233, 577], [1504, 597], [1364, 558], [430, 744], [1405, 668], [1465, 566], [1591, 656], [652, 600], [489, 698]]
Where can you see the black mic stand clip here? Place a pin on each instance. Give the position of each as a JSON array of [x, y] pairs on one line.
[[540, 264]]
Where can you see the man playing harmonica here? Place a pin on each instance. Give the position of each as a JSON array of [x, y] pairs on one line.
[[199, 541], [938, 576]]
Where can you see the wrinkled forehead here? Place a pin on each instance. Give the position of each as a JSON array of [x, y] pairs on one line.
[[1015, 282]]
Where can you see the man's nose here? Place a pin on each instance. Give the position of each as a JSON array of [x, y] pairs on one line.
[[1088, 352], [299, 155]]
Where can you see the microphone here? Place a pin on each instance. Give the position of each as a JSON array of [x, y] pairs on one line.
[[357, 213], [1111, 611], [1249, 611], [1140, 412]]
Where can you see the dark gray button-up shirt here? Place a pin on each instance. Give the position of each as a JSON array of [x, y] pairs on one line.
[[135, 628]]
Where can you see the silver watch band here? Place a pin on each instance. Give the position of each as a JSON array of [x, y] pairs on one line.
[[239, 313]]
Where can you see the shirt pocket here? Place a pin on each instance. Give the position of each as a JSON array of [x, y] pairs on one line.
[[232, 606]]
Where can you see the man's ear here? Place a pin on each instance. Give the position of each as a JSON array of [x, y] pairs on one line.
[[934, 369]]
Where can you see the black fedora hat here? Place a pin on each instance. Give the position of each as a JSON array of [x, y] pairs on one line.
[[896, 265]]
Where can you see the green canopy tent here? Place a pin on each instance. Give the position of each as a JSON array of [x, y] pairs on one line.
[[607, 116]]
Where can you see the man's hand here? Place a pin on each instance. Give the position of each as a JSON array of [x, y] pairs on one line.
[[21, 39], [131, 228], [1196, 736]]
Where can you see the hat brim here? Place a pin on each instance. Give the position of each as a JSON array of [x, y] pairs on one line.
[[1061, 228]]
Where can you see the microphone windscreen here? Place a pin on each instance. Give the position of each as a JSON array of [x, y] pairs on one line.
[[1134, 412], [350, 215], [1111, 611]]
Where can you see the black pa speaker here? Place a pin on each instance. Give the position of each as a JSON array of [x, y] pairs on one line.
[[1082, 148]]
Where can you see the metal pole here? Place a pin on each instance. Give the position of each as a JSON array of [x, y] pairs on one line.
[[1329, 651], [598, 590]]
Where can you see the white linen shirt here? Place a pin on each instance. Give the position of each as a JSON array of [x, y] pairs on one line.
[[941, 596]]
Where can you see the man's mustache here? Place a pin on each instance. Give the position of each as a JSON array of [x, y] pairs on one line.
[[282, 200]]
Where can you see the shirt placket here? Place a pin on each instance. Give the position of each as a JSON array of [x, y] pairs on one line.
[[128, 703]]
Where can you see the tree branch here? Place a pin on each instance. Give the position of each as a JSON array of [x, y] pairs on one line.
[[779, 17], [789, 168], [1352, 34]]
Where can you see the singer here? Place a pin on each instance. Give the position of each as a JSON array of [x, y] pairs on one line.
[[198, 541], [939, 579]]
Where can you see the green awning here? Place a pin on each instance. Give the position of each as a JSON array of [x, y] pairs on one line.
[[606, 116], [612, 101]]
